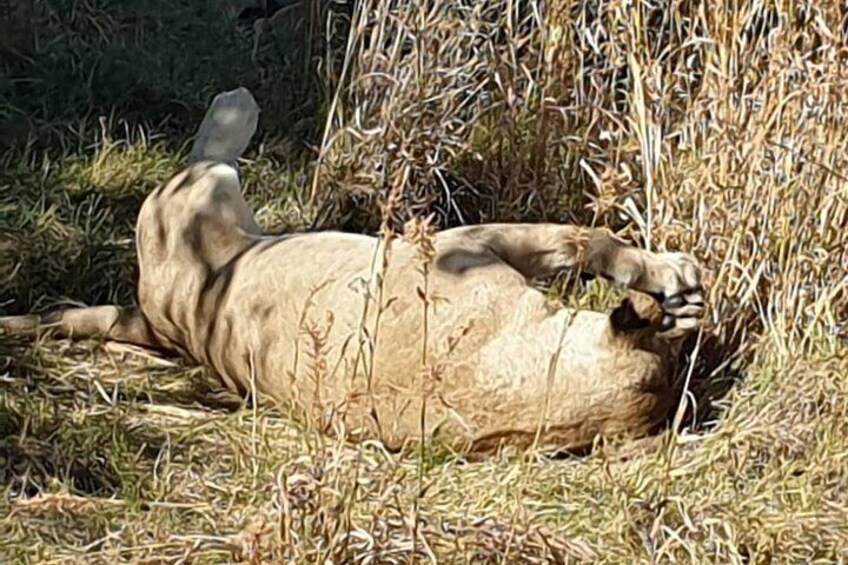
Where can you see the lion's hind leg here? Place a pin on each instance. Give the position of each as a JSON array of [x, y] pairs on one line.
[[227, 127]]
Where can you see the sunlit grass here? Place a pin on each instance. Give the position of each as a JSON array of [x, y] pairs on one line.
[[727, 148]]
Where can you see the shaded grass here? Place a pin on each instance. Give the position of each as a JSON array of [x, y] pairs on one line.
[[109, 455], [68, 63]]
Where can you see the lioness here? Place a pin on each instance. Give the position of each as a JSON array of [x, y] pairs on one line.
[[456, 344]]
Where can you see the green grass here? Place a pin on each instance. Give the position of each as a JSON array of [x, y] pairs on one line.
[[108, 454]]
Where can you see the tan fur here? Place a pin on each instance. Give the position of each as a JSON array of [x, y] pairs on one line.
[[303, 320]]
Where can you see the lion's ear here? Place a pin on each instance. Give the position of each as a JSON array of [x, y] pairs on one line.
[[227, 127], [638, 311]]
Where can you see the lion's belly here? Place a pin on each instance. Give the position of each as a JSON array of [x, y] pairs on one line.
[[318, 337], [559, 375], [564, 380]]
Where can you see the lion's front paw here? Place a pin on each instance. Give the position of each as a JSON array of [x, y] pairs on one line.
[[674, 279]]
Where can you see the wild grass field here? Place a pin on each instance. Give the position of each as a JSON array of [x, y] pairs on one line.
[[719, 128]]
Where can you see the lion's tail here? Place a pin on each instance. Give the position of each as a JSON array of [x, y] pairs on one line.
[[227, 127]]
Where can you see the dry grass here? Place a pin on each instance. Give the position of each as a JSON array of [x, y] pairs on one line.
[[717, 128]]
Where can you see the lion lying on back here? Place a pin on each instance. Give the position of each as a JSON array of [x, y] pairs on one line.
[[302, 321]]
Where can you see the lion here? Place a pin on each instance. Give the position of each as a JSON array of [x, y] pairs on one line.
[[442, 339]]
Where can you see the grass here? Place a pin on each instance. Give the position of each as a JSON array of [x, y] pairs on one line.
[[719, 132]]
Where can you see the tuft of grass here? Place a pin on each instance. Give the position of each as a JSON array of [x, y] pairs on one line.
[[717, 129]]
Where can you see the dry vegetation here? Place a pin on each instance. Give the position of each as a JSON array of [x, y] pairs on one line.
[[716, 127]]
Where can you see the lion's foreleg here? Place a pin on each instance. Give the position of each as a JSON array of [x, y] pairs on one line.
[[541, 250]]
